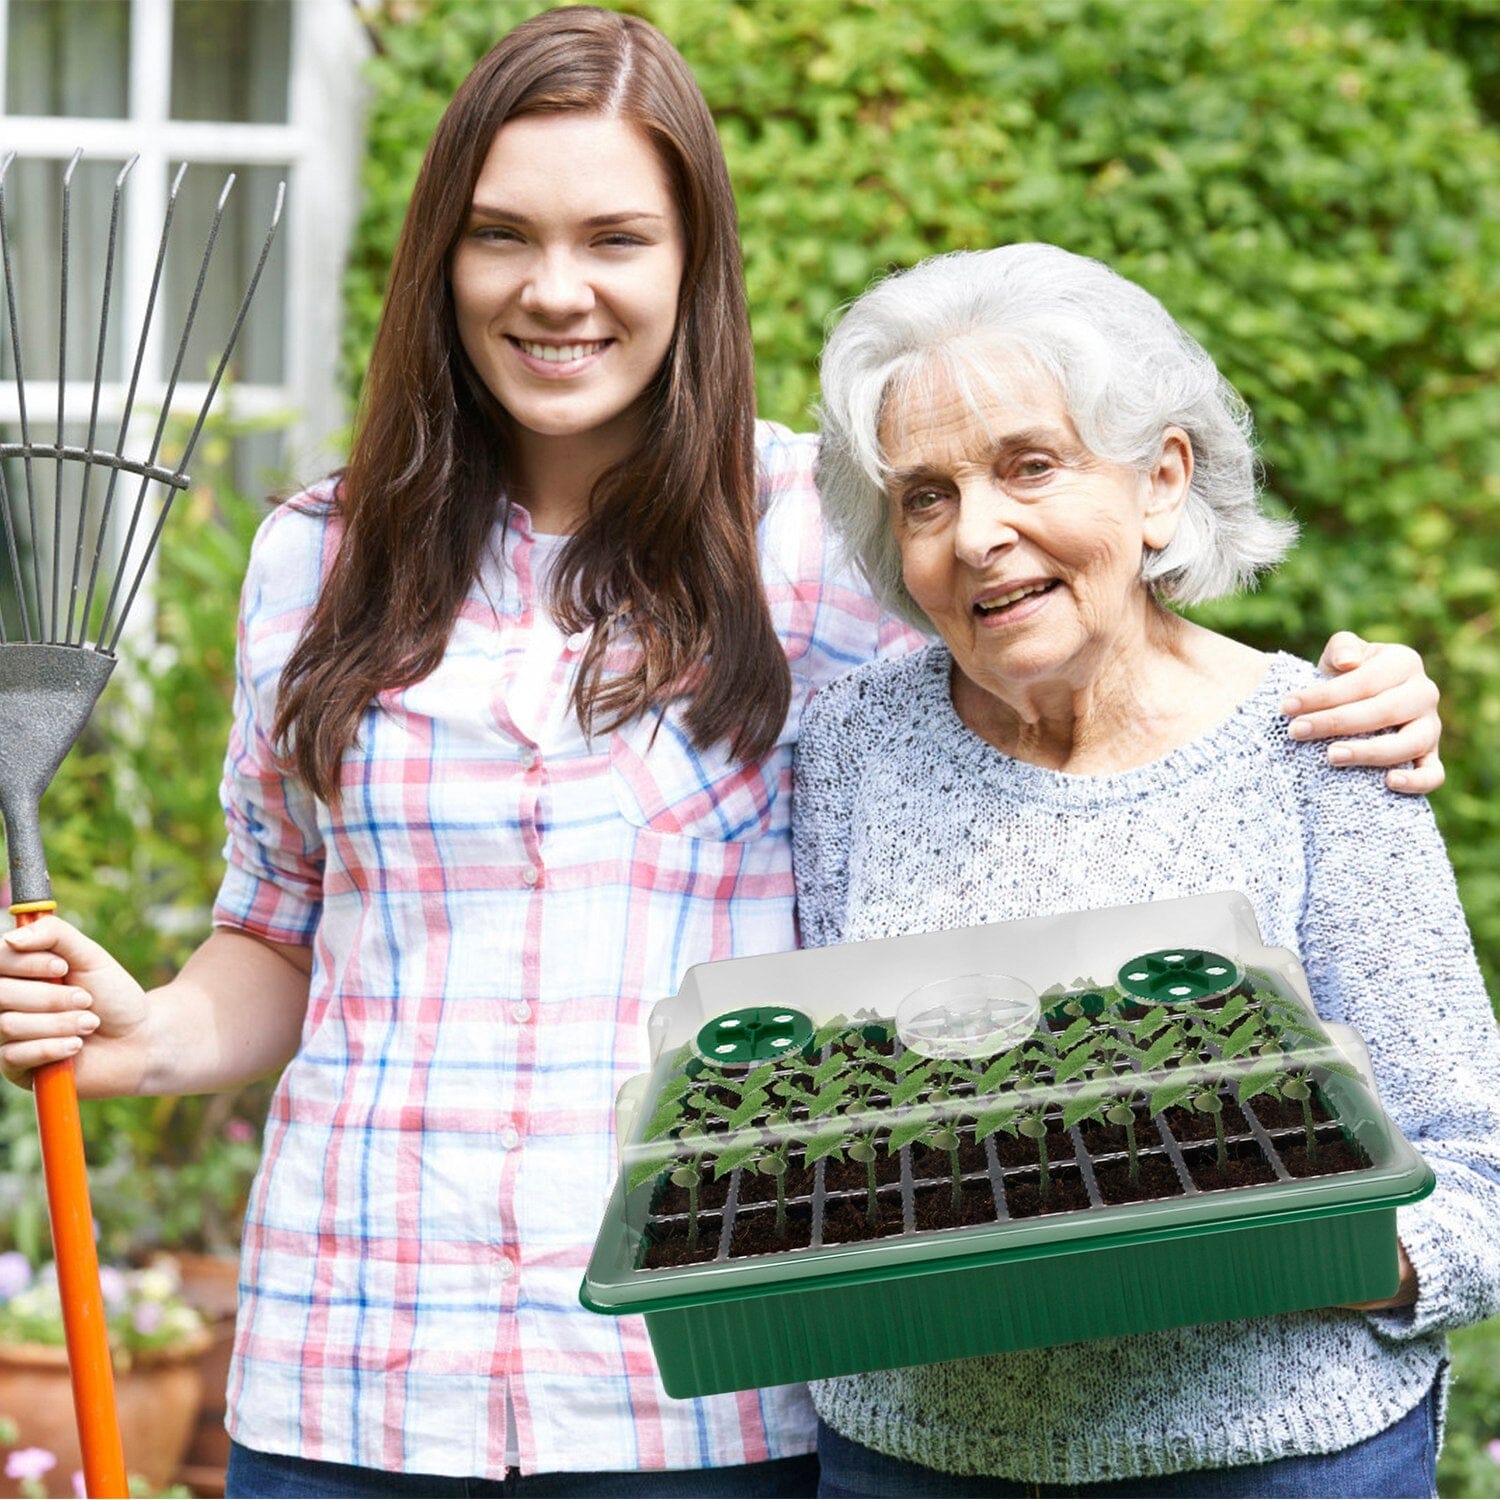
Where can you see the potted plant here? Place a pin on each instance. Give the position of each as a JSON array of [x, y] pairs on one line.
[[156, 1338], [1175, 1140]]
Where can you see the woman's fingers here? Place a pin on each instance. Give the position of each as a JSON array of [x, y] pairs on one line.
[[51, 935], [1377, 687], [19, 1060], [31, 1026]]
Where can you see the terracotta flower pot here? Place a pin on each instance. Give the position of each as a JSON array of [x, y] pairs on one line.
[[157, 1399]]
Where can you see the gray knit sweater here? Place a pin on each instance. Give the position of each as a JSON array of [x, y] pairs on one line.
[[906, 821]]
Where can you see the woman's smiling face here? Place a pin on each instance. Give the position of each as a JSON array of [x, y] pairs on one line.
[[566, 276], [1020, 545]]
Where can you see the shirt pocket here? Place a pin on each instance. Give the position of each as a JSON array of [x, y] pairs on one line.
[[663, 782]]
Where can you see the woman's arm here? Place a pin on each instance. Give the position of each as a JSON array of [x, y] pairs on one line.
[[1373, 687], [234, 1013]]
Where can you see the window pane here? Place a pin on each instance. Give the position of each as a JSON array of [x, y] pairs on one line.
[[68, 57], [259, 356], [33, 217], [231, 60]]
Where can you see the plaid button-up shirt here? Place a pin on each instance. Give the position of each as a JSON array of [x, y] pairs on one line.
[[492, 909]]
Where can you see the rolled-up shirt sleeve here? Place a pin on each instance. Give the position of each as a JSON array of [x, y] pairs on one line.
[[274, 849]]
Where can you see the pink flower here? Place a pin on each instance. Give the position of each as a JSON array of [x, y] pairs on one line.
[[79, 1487], [1493, 1449], [30, 1463], [146, 1317], [239, 1131], [113, 1287], [15, 1274]]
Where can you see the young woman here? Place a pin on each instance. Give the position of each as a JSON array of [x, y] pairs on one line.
[[517, 697]]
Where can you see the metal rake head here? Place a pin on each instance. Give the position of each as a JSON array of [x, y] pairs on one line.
[[81, 594], [59, 631]]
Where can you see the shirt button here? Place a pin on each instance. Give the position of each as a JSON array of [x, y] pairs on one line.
[[510, 1138], [505, 1270], [531, 760], [531, 874], [521, 1011], [578, 640]]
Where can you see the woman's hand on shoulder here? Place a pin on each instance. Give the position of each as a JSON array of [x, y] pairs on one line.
[[1373, 687], [57, 988]]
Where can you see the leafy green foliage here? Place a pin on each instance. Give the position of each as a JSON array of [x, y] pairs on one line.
[[1310, 185]]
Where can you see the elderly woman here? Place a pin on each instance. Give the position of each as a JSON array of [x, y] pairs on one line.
[[1024, 451]]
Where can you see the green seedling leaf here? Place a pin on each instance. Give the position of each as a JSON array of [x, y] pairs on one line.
[[1262, 1078], [1000, 1116], [1296, 1088], [750, 1106], [1169, 1094], [1033, 1127], [1072, 1036], [862, 1151], [1160, 1050], [1208, 1104], [1118, 1114], [1240, 1040], [906, 1062], [997, 1072], [758, 1078], [1340, 1066], [667, 1117], [915, 1123], [736, 1153], [826, 1072], [1150, 1023], [910, 1086], [1084, 1103], [1233, 1008], [827, 1143], [829, 1098], [1074, 1063], [648, 1167]]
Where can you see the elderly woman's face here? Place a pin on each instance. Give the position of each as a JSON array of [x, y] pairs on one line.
[[1021, 546]]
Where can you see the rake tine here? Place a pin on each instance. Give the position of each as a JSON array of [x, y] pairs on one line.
[[15, 345], [88, 463], [161, 427], [62, 386], [234, 330], [192, 442], [135, 375]]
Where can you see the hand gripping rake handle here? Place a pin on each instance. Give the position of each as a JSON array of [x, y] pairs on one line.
[[72, 1221]]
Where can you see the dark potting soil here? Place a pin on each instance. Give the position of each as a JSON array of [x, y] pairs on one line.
[[1274, 1112], [669, 1242], [674, 1200], [755, 1233], [1194, 1125], [927, 1161], [839, 1176], [1021, 1150], [1245, 1166], [932, 1206], [1334, 1154], [1158, 1179], [759, 1187], [846, 1219], [1099, 1140], [1065, 1192]]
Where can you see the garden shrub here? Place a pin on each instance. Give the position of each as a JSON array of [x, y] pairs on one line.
[[1308, 184]]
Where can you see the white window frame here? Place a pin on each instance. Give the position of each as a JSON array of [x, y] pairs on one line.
[[319, 147]]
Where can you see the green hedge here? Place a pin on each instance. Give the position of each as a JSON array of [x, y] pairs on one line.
[[1308, 184]]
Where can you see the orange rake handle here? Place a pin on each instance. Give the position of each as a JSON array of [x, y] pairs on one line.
[[84, 1325]]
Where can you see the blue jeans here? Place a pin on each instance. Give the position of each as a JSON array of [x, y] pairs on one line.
[[278, 1474], [1401, 1461]]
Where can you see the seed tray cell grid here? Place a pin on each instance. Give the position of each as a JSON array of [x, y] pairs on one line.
[[808, 1212]]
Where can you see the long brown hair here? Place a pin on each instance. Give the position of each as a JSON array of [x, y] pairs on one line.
[[668, 546]]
